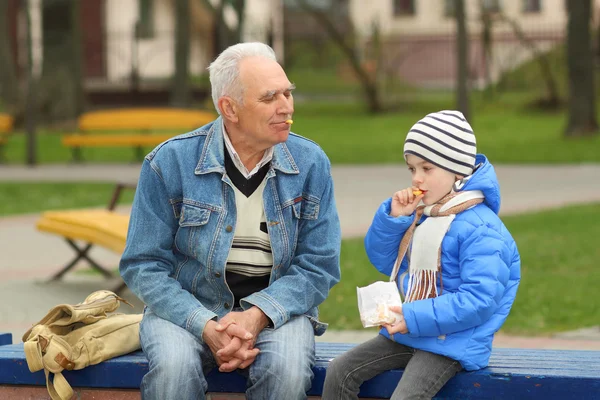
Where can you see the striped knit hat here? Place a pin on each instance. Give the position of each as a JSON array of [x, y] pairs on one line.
[[446, 139]]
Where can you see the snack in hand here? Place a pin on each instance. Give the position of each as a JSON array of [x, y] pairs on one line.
[[384, 315], [417, 192], [289, 121]]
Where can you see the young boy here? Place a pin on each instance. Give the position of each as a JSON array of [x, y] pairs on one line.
[[460, 274]]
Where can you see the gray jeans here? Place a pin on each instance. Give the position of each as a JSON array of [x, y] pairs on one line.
[[424, 373]]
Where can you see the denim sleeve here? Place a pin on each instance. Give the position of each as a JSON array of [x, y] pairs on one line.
[[314, 270], [148, 263], [484, 272], [383, 238]]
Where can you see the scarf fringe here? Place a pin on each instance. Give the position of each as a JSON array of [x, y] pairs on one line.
[[422, 285]]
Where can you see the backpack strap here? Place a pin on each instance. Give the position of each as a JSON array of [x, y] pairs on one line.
[[33, 354], [35, 349], [58, 388]]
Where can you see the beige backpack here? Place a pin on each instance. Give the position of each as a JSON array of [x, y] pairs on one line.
[[74, 336]]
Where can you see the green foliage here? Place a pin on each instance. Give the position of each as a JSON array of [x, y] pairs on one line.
[[527, 78], [311, 54], [560, 274], [340, 310], [30, 197]]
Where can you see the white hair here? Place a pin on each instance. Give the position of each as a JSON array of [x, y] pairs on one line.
[[224, 71]]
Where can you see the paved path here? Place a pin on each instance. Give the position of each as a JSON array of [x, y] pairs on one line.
[[28, 257]]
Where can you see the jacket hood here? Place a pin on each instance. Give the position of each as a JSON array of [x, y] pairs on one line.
[[484, 178]]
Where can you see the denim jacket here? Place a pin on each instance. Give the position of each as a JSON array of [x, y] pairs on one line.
[[183, 222]]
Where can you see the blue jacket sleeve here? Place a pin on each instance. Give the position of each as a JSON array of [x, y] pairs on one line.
[[148, 262], [484, 271], [314, 270], [384, 236]]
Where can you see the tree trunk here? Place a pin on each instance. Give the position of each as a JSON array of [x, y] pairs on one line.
[[77, 58], [462, 44], [582, 95], [239, 7], [30, 101], [9, 89], [180, 92], [223, 35], [487, 48], [58, 91], [369, 84]]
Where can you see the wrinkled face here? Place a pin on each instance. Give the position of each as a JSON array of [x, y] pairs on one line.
[[434, 181], [267, 103]]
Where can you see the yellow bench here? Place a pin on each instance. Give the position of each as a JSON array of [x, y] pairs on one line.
[[133, 127], [102, 227], [6, 125]]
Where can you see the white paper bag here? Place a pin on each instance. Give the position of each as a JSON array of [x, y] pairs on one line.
[[374, 302]]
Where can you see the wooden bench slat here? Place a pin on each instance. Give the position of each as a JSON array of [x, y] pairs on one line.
[[6, 123], [110, 140], [144, 119], [540, 374], [102, 227], [133, 127]]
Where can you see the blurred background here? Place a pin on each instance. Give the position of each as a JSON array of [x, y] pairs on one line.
[[524, 72]]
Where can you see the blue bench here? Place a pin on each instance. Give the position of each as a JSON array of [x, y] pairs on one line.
[[512, 374]]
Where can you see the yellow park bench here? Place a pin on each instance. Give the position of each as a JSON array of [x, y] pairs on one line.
[[102, 227], [6, 125], [133, 127]]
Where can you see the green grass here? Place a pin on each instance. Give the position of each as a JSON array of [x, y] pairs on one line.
[[560, 274], [26, 197], [349, 135]]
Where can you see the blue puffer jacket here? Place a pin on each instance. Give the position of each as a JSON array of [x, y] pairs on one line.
[[480, 271]]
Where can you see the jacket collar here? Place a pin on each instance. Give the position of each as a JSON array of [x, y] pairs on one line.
[[212, 158]]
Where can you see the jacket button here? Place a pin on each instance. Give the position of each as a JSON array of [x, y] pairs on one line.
[[228, 228], [226, 305], [218, 274]]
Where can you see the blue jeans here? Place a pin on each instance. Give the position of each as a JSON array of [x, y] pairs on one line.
[[424, 373], [179, 361]]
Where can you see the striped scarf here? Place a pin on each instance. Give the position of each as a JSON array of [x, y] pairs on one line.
[[426, 242]]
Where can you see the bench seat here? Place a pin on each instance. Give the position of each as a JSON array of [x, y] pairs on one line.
[[6, 123], [512, 374], [99, 226], [6, 126], [137, 128], [112, 140]]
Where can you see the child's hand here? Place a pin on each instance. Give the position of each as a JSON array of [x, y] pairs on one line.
[[404, 202], [400, 325]]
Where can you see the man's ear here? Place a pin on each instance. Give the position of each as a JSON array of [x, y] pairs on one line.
[[228, 109]]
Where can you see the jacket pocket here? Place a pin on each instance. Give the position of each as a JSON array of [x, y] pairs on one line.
[[306, 208], [193, 216], [192, 221]]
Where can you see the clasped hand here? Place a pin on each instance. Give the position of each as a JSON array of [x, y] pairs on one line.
[[231, 339]]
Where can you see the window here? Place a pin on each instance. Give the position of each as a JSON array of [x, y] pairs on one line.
[[492, 6], [532, 6], [404, 7]]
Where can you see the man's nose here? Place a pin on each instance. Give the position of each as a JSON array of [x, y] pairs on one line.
[[286, 105]]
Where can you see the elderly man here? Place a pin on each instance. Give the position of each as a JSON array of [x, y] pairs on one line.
[[234, 241]]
